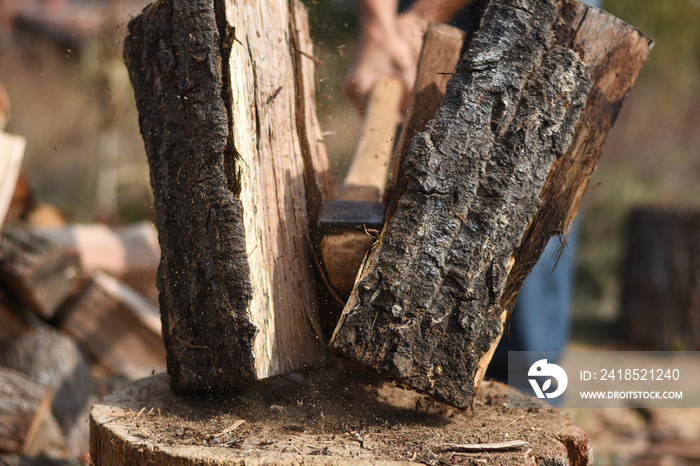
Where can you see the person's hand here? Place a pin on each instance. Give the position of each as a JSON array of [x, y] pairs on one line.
[[386, 49]]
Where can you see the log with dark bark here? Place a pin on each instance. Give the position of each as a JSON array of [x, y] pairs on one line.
[[117, 327], [224, 92], [498, 171], [26, 423], [36, 271], [50, 356], [660, 283]]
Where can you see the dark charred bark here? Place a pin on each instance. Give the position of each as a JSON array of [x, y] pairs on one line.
[[175, 65]]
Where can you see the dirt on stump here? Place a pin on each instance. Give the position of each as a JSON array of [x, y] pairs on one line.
[[328, 416]]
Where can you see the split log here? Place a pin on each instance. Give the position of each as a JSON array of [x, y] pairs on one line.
[[128, 253], [26, 423], [323, 417], [238, 171], [11, 155], [36, 271], [499, 170], [57, 362], [661, 277], [116, 326]]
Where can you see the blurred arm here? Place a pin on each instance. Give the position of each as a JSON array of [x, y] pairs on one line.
[[389, 43]]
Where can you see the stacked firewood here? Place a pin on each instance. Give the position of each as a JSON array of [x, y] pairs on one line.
[[68, 315]]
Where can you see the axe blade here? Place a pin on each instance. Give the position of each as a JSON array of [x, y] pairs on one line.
[[340, 215]]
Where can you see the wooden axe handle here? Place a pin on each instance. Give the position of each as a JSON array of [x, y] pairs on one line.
[[366, 181], [368, 173]]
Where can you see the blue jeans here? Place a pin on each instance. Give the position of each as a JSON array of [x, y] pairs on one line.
[[540, 319]]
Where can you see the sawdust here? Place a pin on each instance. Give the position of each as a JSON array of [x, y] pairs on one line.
[[340, 412]]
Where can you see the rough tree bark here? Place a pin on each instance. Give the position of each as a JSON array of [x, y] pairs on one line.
[[499, 170], [237, 171]]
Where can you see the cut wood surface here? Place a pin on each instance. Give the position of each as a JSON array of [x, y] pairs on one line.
[[237, 169], [117, 327], [128, 253], [11, 155], [36, 271], [336, 416], [24, 405], [498, 171], [660, 307]]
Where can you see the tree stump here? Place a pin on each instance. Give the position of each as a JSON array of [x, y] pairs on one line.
[[326, 417], [226, 108], [661, 280], [499, 170]]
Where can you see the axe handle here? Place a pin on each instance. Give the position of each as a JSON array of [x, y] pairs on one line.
[[366, 181], [367, 176]]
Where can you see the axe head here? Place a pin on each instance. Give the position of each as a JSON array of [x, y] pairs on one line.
[[339, 215]]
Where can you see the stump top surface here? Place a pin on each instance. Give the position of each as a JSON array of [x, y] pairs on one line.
[[331, 416]]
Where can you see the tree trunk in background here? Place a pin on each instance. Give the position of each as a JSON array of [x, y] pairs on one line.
[[499, 170], [225, 98], [661, 280]]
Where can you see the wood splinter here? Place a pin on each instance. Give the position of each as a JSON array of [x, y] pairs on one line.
[[479, 447]]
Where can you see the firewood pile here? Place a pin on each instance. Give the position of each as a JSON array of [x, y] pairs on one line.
[[77, 318]]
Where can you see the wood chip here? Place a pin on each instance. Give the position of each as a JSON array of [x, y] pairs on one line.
[[478, 447], [234, 426], [231, 428]]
